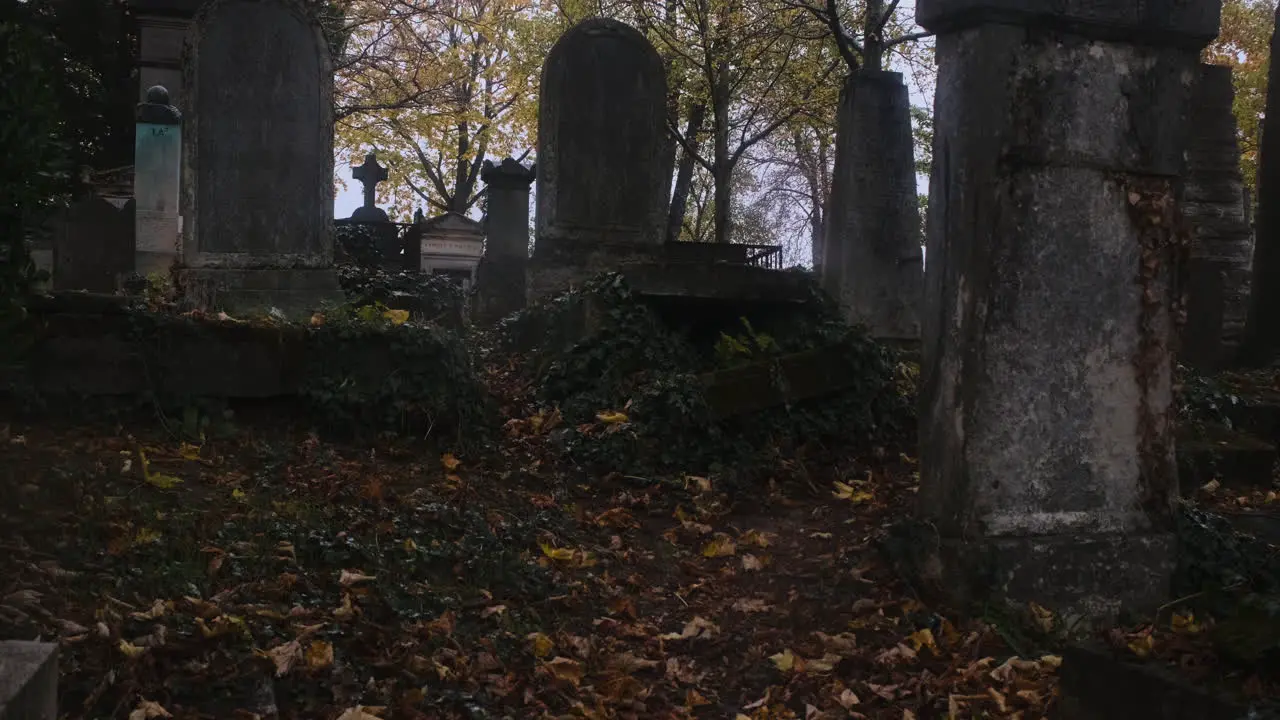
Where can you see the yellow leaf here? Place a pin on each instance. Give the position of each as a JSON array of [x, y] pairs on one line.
[[1185, 623], [238, 495], [923, 638], [784, 661], [1142, 645], [1042, 617], [319, 655], [721, 546], [397, 317], [145, 536], [189, 451], [410, 545], [567, 670], [542, 644], [450, 462], [610, 417], [130, 650], [162, 481], [561, 554]]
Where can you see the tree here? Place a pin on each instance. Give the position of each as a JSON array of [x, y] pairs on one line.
[[439, 91], [1243, 45]]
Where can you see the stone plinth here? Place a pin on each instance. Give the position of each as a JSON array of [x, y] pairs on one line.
[[28, 680], [1047, 455], [257, 190], [500, 277], [871, 260], [157, 154], [604, 159]]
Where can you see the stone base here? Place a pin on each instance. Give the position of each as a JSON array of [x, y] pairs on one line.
[[1087, 580], [500, 289], [297, 292], [28, 681]]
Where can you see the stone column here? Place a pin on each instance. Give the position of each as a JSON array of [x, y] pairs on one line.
[[157, 157], [1260, 342], [1047, 463], [500, 278], [872, 262]]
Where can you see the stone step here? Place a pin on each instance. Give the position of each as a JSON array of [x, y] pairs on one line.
[[769, 383], [28, 680], [1236, 460]]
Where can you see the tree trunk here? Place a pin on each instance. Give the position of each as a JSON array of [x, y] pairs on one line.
[[722, 163], [1262, 329], [873, 36], [684, 174]]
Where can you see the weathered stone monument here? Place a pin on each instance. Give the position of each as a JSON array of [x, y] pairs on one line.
[[871, 259], [604, 160], [156, 182], [257, 158], [1222, 242], [1261, 338], [92, 243], [500, 277], [1047, 459]]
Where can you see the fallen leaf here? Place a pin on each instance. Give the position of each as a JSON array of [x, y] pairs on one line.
[[784, 661], [148, 709], [750, 605], [847, 699], [319, 655], [362, 712], [350, 577], [848, 492], [611, 417], [130, 650], [721, 546], [542, 644], [396, 317], [566, 670], [698, 627], [284, 656], [751, 563], [450, 462]]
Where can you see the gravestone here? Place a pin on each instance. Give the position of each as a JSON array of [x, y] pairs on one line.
[[1047, 468], [604, 158], [500, 277], [1214, 205], [156, 181], [93, 244], [871, 251], [370, 174], [1201, 345], [258, 159]]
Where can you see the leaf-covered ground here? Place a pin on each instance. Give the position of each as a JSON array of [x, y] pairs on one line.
[[272, 574]]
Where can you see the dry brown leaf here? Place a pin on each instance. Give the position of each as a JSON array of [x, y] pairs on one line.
[[566, 670], [363, 712], [319, 655], [147, 710], [284, 656], [353, 577]]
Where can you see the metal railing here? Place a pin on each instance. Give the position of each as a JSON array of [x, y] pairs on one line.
[[768, 257]]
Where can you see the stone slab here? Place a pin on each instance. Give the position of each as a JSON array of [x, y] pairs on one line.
[[297, 292], [28, 680], [1237, 460], [1095, 685], [734, 283]]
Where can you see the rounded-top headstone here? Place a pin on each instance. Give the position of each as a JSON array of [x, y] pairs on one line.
[[604, 160]]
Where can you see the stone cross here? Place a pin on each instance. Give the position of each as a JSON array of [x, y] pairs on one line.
[[370, 174]]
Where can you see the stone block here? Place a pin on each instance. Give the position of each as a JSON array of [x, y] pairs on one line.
[[28, 680], [1191, 23], [1236, 460], [770, 383]]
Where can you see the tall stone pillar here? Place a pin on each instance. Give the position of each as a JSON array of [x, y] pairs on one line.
[[1047, 458], [1215, 207], [872, 261], [500, 278]]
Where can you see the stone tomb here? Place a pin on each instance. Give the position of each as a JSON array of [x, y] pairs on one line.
[[258, 159], [452, 244]]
